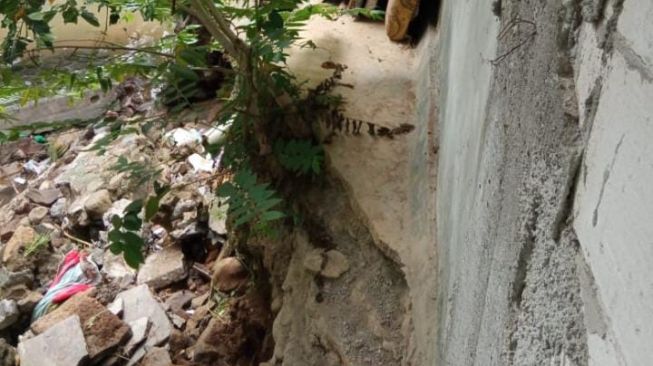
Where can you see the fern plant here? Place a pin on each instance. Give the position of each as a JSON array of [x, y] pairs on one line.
[[300, 156], [251, 202]]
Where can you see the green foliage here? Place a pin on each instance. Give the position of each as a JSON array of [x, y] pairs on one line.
[[300, 156], [39, 242], [125, 236], [250, 202]]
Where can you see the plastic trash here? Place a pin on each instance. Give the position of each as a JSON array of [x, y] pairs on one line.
[[183, 137], [40, 139], [35, 167], [200, 163], [77, 273]]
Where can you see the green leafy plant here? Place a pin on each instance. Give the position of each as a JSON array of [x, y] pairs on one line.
[[36, 245], [125, 235], [300, 156], [250, 202]]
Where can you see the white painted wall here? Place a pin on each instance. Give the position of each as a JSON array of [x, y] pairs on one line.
[[614, 202]]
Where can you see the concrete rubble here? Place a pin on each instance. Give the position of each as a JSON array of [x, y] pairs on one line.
[[151, 316]]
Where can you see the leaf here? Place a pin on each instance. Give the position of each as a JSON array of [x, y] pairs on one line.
[[152, 207], [133, 256], [90, 18], [134, 207], [116, 248], [116, 221], [272, 215], [36, 16], [132, 222]]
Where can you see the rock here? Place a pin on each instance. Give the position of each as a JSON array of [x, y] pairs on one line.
[[163, 268], [37, 214], [103, 331], [24, 297], [184, 205], [58, 209], [117, 208], [6, 231], [61, 345], [218, 216], [12, 255], [179, 300], [139, 329], [8, 313], [22, 206], [8, 354], [200, 300], [229, 274], [139, 302], [177, 321], [314, 260], [28, 302], [116, 269], [9, 279], [116, 307], [157, 356], [336, 264], [97, 203], [45, 197]]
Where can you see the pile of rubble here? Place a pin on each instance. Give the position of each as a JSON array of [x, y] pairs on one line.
[[60, 195]]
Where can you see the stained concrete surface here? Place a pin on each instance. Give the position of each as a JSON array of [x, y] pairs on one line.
[[390, 182]]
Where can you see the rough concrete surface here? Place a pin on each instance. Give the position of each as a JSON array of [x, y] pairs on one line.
[[543, 203]]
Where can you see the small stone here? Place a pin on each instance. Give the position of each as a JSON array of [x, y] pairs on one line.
[[8, 354], [116, 307], [12, 255], [157, 356], [58, 209], [7, 230], [229, 274], [61, 345], [103, 331], [336, 264], [199, 301], [45, 197], [28, 302], [314, 260], [139, 302], [97, 203], [177, 321], [163, 268], [8, 313], [9, 279], [37, 214], [139, 328], [179, 300], [115, 267]]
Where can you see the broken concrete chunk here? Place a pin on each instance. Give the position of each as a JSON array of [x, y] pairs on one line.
[[61, 345], [163, 268], [103, 331], [157, 356], [116, 307], [37, 214], [336, 264], [139, 302], [139, 329], [97, 203], [45, 197], [8, 313], [115, 267]]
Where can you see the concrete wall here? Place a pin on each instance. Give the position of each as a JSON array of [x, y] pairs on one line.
[[614, 201], [544, 200]]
